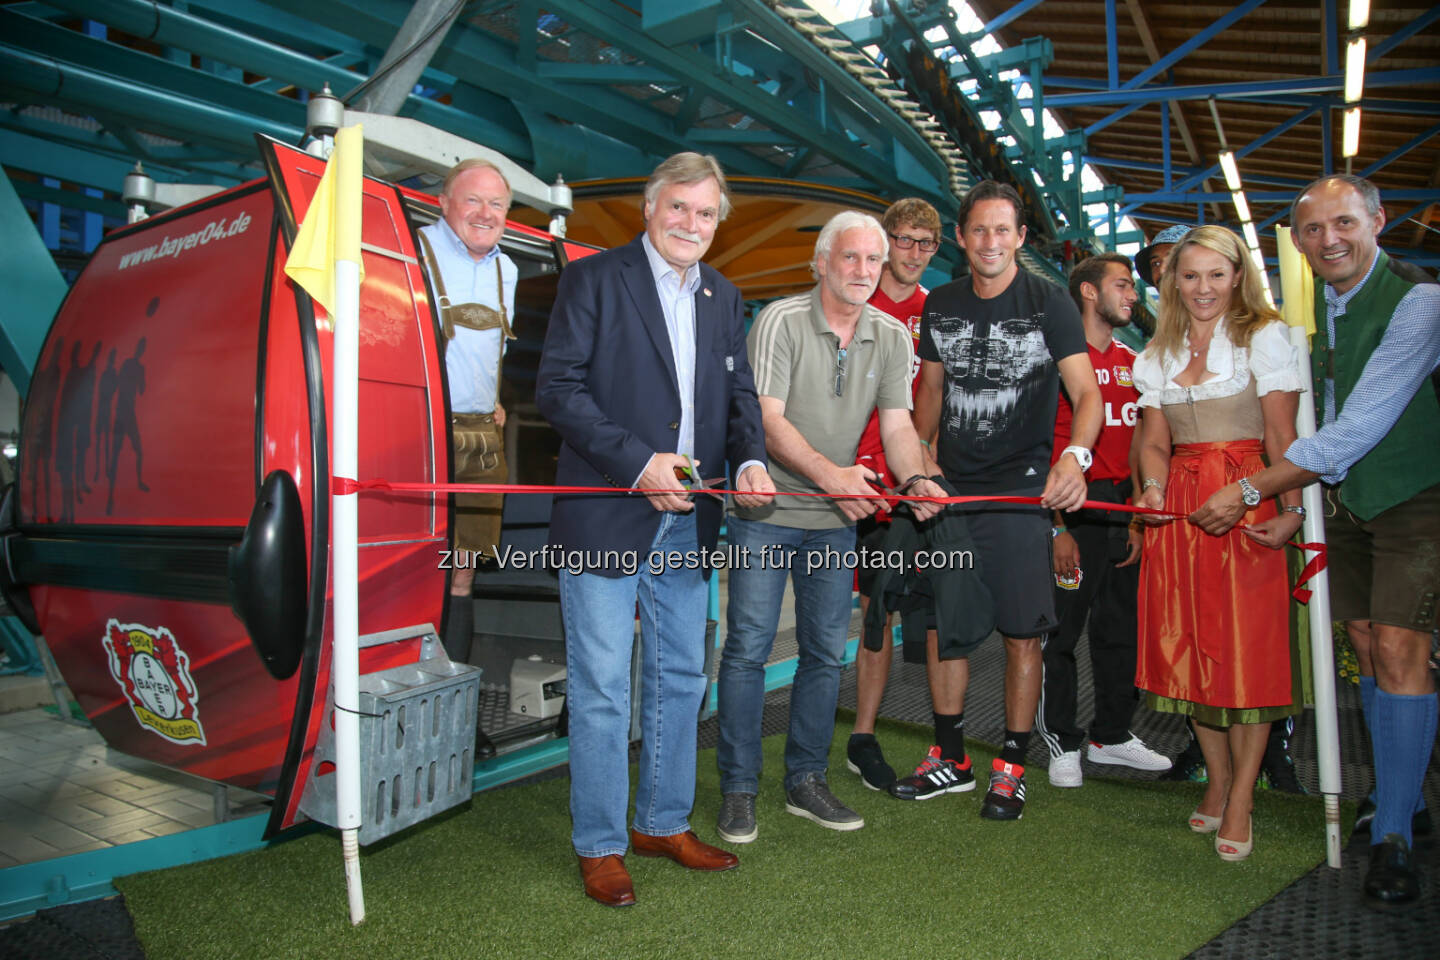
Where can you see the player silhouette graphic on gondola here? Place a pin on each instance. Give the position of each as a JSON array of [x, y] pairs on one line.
[[104, 401], [44, 391], [77, 398], [130, 383]]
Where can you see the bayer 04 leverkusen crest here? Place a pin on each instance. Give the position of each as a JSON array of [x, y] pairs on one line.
[[154, 672]]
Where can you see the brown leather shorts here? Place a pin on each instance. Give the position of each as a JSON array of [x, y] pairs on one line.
[[479, 458], [1386, 570]]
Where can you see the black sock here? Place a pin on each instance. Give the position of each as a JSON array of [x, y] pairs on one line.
[[460, 629], [1015, 744], [859, 738], [950, 735]]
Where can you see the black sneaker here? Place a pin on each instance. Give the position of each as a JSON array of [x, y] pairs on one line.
[[1189, 765], [1277, 769], [863, 756], [1005, 800], [935, 776]]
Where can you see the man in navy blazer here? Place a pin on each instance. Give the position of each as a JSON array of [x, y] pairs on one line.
[[644, 373]]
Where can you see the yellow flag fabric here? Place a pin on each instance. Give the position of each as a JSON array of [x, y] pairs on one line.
[[1297, 284], [331, 228]]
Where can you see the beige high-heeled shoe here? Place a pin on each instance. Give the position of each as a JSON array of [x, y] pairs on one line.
[[1236, 850], [1201, 823]]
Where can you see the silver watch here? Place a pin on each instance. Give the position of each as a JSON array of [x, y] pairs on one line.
[[1294, 509], [1248, 493]]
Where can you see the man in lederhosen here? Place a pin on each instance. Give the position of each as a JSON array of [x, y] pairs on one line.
[[474, 288]]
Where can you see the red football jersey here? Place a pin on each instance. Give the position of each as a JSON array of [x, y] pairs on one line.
[[871, 452], [1122, 412]]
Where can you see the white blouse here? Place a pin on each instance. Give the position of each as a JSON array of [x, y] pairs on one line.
[[1271, 358]]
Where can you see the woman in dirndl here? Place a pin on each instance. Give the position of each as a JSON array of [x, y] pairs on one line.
[[1219, 387]]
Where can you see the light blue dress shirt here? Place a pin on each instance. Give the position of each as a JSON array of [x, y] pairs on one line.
[[472, 359], [1408, 353], [677, 303]]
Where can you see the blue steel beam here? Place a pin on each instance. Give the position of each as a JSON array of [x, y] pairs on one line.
[[95, 159], [616, 74], [1112, 48], [868, 31], [1400, 151], [1404, 217], [1120, 114], [1412, 108], [1249, 148], [30, 78], [1401, 35], [1193, 44], [1234, 91], [194, 34], [625, 33], [1124, 163], [1019, 10], [1428, 194], [33, 288]]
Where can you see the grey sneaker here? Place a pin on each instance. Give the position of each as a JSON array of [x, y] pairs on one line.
[[736, 823], [811, 798]]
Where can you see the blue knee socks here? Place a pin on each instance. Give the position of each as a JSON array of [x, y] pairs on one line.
[[1402, 734], [1367, 710]]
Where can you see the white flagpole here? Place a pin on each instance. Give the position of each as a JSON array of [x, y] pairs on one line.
[[1295, 284], [345, 665], [1322, 651]]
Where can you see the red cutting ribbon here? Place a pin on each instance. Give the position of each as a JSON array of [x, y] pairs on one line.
[[1316, 564], [344, 486]]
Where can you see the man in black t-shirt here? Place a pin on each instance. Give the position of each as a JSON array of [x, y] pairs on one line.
[[994, 348]]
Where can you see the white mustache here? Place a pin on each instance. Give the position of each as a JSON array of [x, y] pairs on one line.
[[683, 235]]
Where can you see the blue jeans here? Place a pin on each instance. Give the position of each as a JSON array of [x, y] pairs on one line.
[[599, 617], [822, 618]]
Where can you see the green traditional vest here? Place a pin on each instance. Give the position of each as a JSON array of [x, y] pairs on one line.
[[1407, 460]]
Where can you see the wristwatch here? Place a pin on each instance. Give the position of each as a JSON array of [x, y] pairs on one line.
[[1248, 493], [1294, 509], [1082, 454]]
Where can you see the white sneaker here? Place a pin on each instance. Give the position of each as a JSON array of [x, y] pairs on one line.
[[1132, 753], [1065, 770]]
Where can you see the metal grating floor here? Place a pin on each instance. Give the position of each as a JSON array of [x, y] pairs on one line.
[[1322, 916]]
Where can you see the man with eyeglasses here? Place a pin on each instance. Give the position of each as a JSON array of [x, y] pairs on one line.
[[913, 227], [823, 361]]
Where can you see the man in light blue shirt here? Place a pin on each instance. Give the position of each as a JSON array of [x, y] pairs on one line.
[[474, 287], [1377, 348]]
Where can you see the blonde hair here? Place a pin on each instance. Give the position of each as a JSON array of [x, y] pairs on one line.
[[475, 163], [1248, 310]]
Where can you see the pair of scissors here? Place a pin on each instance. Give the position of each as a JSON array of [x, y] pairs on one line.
[[690, 477]]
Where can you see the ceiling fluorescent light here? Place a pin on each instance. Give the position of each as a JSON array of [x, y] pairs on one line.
[[1252, 239], [1232, 172], [1350, 141], [1242, 209], [1359, 14], [1355, 70]]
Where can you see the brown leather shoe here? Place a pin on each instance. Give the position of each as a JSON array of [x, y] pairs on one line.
[[607, 881], [685, 849]]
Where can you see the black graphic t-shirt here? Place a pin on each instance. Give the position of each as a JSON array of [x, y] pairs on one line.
[[997, 415]]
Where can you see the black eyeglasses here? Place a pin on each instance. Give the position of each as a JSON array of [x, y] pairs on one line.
[[841, 363], [905, 243]]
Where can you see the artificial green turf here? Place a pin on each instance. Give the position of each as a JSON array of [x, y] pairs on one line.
[[1110, 870]]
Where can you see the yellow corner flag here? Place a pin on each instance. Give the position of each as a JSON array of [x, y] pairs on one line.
[[1297, 284], [331, 228]]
